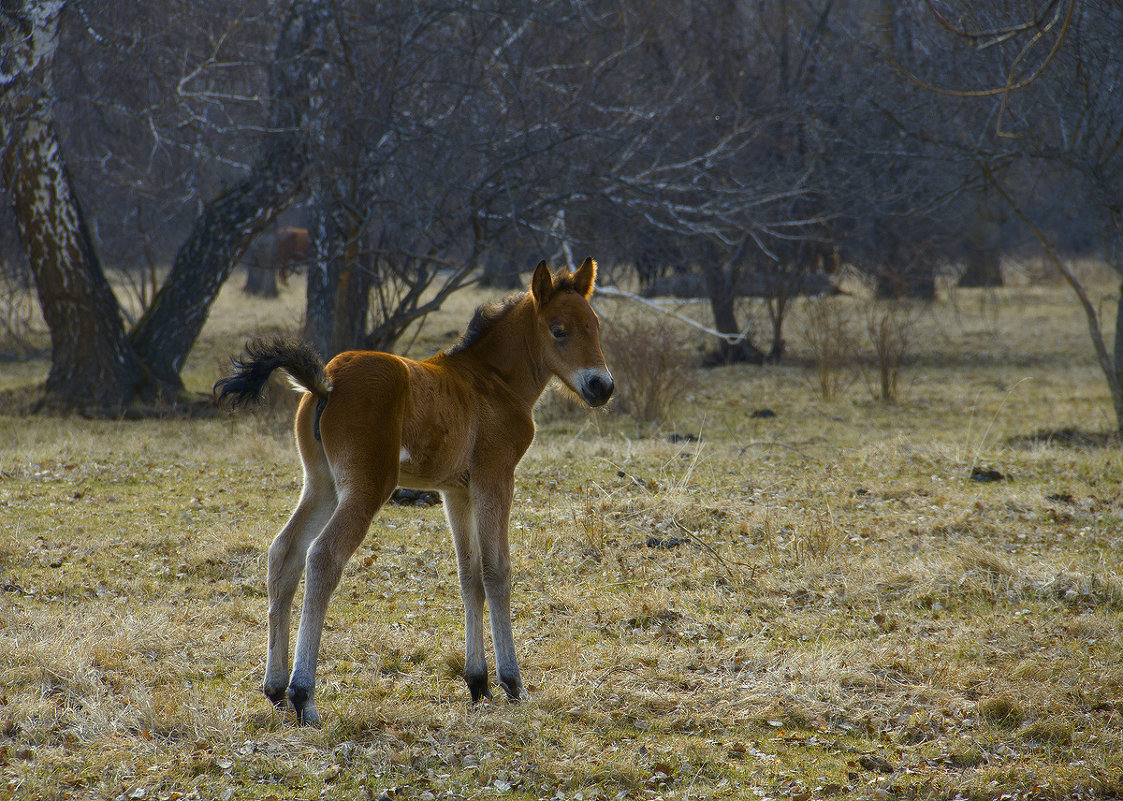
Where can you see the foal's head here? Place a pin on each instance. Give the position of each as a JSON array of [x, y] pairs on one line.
[[569, 331]]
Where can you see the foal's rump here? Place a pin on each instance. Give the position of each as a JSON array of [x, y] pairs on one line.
[[362, 418]]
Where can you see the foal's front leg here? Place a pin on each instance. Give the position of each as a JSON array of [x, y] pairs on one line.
[[458, 510], [492, 511]]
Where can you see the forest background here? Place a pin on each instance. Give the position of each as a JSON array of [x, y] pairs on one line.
[[736, 146]]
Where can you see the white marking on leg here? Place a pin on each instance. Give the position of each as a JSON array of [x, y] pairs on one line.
[[403, 456]]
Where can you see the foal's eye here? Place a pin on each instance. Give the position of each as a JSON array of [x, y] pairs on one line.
[[558, 333]]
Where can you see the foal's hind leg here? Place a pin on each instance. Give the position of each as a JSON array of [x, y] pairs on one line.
[[458, 509], [326, 558], [288, 551], [286, 564]]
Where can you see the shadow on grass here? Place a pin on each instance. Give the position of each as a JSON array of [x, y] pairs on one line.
[[1069, 437]]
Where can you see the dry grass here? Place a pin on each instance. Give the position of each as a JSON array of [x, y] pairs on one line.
[[819, 604]]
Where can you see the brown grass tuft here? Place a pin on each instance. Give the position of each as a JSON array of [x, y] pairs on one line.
[[1002, 711], [652, 366]]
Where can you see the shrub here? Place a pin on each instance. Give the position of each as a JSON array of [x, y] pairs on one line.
[[651, 367], [889, 324], [827, 331]]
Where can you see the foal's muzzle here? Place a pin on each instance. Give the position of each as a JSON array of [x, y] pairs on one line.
[[595, 386]]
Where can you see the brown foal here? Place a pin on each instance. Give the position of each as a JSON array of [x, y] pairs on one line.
[[458, 422]]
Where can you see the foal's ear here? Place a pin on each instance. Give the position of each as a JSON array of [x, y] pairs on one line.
[[542, 284], [585, 277]]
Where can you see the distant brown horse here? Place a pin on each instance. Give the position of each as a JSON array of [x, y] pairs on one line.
[[269, 261], [458, 422], [291, 249]]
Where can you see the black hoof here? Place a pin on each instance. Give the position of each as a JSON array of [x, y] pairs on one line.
[[308, 716], [513, 688], [478, 687], [278, 697], [301, 698]]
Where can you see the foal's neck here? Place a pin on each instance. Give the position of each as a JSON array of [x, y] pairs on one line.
[[510, 351]]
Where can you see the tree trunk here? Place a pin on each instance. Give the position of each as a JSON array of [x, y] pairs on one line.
[[1115, 376], [169, 327], [352, 300], [500, 270], [983, 248], [319, 306], [338, 295], [92, 359], [261, 271], [720, 287], [165, 334], [904, 274], [1111, 364], [324, 265], [92, 362], [261, 282], [982, 268]]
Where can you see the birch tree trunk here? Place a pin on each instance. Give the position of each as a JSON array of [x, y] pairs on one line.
[[92, 362], [324, 269]]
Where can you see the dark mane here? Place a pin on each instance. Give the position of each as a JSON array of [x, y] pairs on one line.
[[489, 314], [484, 319]]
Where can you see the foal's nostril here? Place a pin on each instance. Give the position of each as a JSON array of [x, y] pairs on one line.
[[598, 389]]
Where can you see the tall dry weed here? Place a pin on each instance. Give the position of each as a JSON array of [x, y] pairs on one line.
[[652, 366], [589, 521], [829, 334], [890, 325]]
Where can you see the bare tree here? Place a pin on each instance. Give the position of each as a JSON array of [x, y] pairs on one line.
[[91, 358], [93, 361], [780, 149], [165, 334], [454, 130], [1055, 120], [450, 129], [720, 175], [739, 141]]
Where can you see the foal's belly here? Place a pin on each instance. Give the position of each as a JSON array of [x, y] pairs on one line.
[[409, 481], [413, 474]]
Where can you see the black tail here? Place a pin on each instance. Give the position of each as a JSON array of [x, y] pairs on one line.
[[262, 357]]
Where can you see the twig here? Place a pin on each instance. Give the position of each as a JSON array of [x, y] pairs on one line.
[[620, 294], [705, 546], [997, 37]]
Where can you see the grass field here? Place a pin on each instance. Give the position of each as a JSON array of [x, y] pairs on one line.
[[820, 603]]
